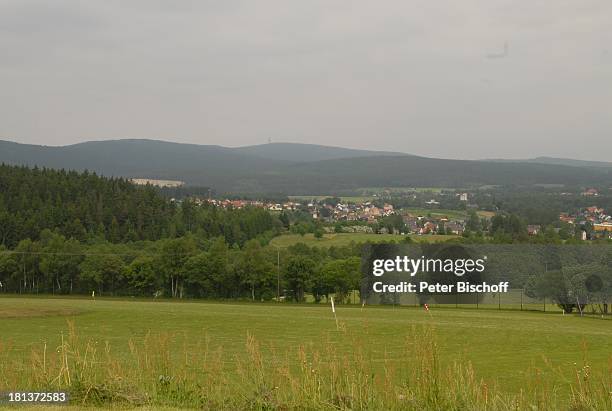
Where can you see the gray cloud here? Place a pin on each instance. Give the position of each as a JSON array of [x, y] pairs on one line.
[[397, 75]]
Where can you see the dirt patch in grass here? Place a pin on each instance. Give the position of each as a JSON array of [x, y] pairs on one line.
[[21, 312]]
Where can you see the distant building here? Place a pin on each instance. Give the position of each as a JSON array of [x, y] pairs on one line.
[[373, 211], [533, 229], [463, 197], [591, 192], [595, 210], [428, 228], [412, 223], [602, 228], [238, 204], [388, 209], [454, 227], [157, 183]]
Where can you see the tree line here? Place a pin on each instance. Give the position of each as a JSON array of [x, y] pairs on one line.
[[188, 266]]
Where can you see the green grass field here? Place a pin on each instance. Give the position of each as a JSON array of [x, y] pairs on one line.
[[436, 212], [344, 239], [399, 190], [452, 214], [508, 349], [346, 199], [502, 345]]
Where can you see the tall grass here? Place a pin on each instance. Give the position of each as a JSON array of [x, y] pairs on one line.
[[163, 370]]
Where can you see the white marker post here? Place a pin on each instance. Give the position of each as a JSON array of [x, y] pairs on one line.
[[334, 311], [578, 304]]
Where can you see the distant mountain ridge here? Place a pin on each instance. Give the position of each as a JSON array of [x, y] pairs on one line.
[[557, 161], [308, 152], [290, 168]]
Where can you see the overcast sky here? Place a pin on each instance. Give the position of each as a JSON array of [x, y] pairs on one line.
[[423, 77]]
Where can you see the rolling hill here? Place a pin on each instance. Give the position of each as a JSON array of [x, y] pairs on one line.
[[308, 152], [290, 168], [559, 161]]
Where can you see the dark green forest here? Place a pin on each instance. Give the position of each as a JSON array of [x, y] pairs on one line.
[[65, 232], [88, 207]]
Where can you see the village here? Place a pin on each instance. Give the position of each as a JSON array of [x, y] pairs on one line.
[[354, 217], [594, 222], [367, 216]]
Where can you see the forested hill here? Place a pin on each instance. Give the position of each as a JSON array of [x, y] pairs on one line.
[[301, 153], [559, 161], [85, 206], [292, 168]]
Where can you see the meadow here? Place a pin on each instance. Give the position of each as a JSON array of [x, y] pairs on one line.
[[403, 190], [345, 239], [346, 199], [440, 212], [227, 355]]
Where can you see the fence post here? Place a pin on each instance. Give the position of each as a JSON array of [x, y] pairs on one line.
[[499, 302], [522, 298], [544, 304]]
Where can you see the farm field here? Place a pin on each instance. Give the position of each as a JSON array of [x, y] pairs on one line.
[[436, 212], [344, 239], [348, 199], [517, 342], [396, 190], [452, 214]]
